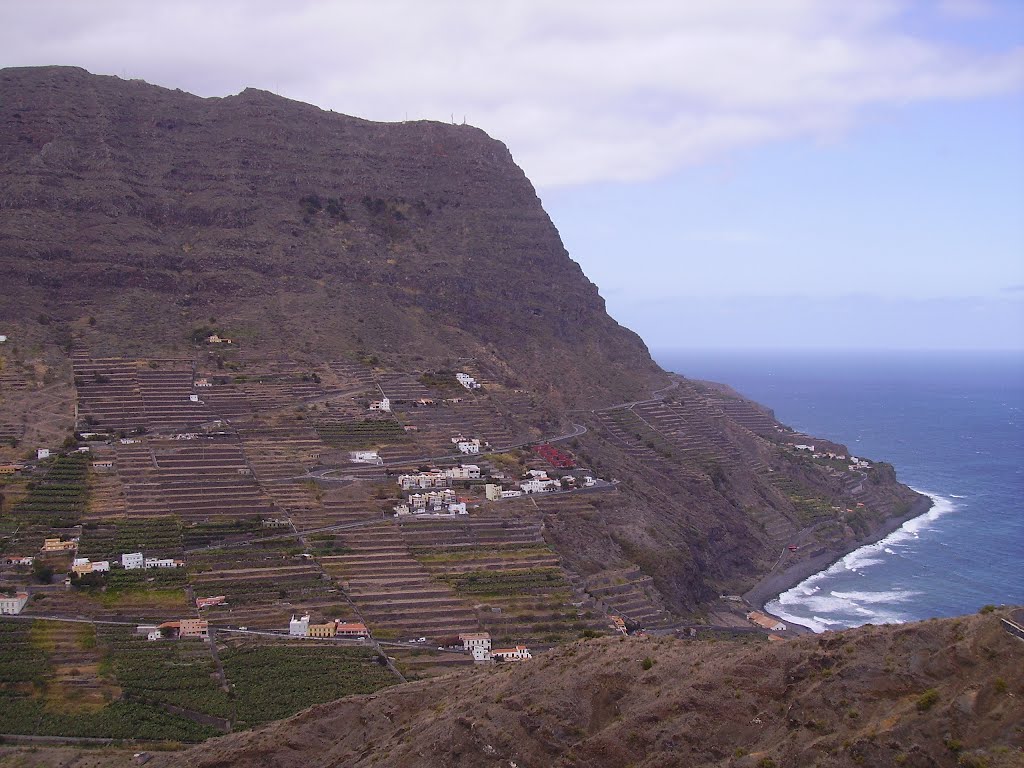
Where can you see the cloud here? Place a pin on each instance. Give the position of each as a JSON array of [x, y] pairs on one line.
[[581, 91]]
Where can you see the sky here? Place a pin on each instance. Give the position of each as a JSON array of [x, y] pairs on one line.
[[732, 174]]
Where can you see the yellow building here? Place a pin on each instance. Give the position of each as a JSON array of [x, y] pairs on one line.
[[56, 545], [330, 629]]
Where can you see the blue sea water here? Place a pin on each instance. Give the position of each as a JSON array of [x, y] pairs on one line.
[[952, 424]]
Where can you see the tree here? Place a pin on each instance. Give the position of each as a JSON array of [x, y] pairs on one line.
[[42, 571]]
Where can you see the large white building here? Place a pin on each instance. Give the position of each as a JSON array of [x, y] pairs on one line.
[[132, 560], [467, 381], [535, 485], [465, 472], [299, 627], [519, 653], [12, 606], [467, 446]]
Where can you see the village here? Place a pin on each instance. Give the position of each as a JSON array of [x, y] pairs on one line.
[[391, 519]]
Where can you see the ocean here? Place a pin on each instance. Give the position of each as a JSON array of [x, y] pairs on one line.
[[951, 424]]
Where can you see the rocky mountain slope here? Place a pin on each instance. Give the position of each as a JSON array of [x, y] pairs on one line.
[[935, 693], [140, 213], [337, 252]]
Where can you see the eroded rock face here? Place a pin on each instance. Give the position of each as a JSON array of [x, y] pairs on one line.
[[153, 209]]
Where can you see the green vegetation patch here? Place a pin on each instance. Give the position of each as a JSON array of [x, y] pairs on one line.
[[501, 583], [179, 672], [156, 536], [27, 671], [58, 498], [214, 532], [360, 433], [271, 682]]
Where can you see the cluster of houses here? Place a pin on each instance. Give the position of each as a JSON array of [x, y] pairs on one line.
[[301, 627], [478, 644], [854, 462], [175, 630], [434, 496], [536, 481], [439, 502]]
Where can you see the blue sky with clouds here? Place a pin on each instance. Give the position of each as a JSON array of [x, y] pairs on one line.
[[731, 173]]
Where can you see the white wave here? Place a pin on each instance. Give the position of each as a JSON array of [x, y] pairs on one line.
[[814, 624], [956, 496], [833, 606], [889, 596]]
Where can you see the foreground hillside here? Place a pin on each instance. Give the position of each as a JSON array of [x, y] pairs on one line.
[[935, 693]]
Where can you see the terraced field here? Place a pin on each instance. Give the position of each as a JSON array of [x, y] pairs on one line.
[[265, 584]]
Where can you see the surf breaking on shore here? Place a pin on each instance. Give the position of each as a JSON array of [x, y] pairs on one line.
[[811, 604]]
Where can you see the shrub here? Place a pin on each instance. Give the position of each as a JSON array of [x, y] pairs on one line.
[[927, 700], [648, 663], [987, 609]]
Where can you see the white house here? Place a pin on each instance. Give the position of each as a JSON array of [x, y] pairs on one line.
[[471, 640], [511, 494], [467, 381], [193, 398], [804, 447], [203, 383], [539, 486], [42, 453], [492, 491], [365, 457], [481, 655], [299, 627], [12, 606], [2, 338], [467, 446], [519, 653], [160, 562], [458, 508], [133, 560], [384, 404]]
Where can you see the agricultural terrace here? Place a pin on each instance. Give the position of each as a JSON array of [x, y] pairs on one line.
[[265, 584], [274, 681], [59, 497], [155, 536], [58, 680]]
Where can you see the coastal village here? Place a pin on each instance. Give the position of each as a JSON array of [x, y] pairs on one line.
[[395, 518]]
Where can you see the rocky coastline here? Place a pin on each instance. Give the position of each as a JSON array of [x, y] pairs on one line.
[[778, 580]]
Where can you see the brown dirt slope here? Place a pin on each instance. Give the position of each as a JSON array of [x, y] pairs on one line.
[[935, 693]]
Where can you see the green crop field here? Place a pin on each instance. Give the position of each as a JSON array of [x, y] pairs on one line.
[[271, 682]]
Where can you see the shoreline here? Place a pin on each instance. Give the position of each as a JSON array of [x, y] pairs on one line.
[[774, 583]]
